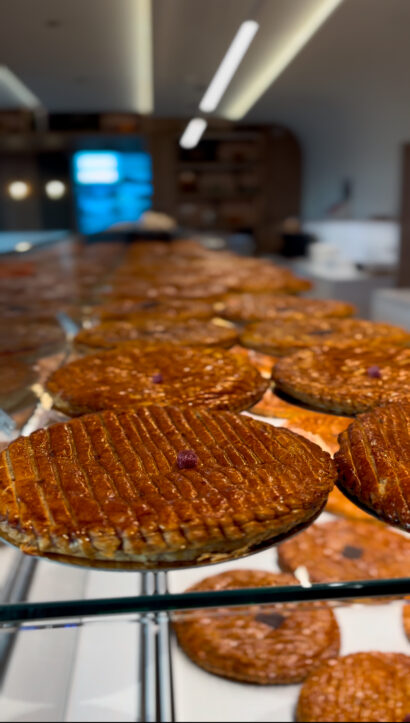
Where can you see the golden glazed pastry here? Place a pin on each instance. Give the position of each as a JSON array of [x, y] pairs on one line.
[[270, 307], [193, 332], [159, 486], [268, 645], [156, 374], [368, 687], [346, 381], [374, 463], [282, 337], [341, 550]]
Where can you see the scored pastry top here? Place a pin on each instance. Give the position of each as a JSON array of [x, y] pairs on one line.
[[158, 484], [128, 377]]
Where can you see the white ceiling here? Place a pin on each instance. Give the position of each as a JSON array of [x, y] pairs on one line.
[[79, 55]]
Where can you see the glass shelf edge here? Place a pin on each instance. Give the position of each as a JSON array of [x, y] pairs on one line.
[[28, 611]]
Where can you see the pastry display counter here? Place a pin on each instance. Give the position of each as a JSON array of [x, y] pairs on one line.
[[106, 637]]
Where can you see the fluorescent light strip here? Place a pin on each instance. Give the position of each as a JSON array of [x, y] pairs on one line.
[[192, 133], [20, 91], [274, 65], [229, 66], [144, 57]]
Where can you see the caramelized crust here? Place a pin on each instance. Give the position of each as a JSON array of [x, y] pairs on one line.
[[325, 551], [348, 381], [374, 462], [272, 307], [283, 337], [359, 687], [192, 332], [268, 645], [108, 488], [127, 378]]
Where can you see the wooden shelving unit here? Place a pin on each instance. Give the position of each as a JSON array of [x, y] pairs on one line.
[[239, 179]]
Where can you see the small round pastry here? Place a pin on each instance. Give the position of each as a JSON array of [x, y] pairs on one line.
[[374, 463], [406, 619], [269, 645], [340, 551], [345, 380], [360, 687], [270, 307], [150, 373], [282, 337], [193, 332]]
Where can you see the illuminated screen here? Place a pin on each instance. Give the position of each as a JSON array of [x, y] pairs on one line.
[[110, 187]]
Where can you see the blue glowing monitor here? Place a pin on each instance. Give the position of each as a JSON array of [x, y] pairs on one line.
[[110, 187]]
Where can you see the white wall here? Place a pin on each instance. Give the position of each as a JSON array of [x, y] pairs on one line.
[[347, 98]]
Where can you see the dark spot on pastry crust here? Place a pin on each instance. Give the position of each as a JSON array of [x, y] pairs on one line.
[[352, 553], [274, 620]]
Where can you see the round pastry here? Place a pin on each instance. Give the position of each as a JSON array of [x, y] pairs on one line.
[[347, 381], [159, 487], [283, 337], [27, 334], [360, 687], [406, 619], [270, 307], [175, 309], [156, 374], [340, 551], [269, 645], [374, 463], [193, 332]]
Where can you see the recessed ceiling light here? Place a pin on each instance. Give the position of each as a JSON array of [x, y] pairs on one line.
[[193, 133], [55, 189], [18, 190], [279, 58], [229, 66], [144, 57]]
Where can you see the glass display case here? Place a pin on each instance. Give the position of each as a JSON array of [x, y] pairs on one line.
[[84, 644]]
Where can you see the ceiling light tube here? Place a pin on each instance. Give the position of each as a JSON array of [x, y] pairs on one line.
[[229, 66], [274, 65], [18, 89], [193, 133], [144, 57]]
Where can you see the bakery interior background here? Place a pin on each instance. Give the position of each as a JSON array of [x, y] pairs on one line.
[[100, 75]]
